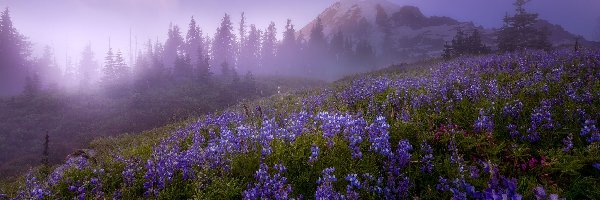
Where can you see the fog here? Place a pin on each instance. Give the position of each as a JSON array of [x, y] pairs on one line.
[[81, 69], [68, 25]]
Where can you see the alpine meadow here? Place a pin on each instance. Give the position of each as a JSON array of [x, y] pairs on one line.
[[315, 99]]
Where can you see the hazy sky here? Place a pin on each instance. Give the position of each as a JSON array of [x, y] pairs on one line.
[[69, 24]]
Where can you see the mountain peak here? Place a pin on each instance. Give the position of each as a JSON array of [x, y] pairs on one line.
[[348, 14]]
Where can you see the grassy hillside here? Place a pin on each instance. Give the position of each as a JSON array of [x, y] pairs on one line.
[[511, 126], [73, 120]]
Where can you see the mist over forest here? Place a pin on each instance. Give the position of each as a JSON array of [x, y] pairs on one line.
[[380, 93]]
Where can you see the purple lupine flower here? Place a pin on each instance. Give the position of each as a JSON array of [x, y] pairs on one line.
[[397, 186], [34, 189], [353, 186], [474, 172], [541, 119], [459, 188], [442, 184], [266, 136], [353, 181], [513, 109], [402, 156], [325, 189], [354, 132], [512, 129], [484, 123], [267, 186], [117, 195], [594, 138], [455, 158], [596, 165], [539, 193], [568, 142], [314, 154], [426, 161], [379, 137], [332, 124], [96, 185], [589, 127], [129, 173]]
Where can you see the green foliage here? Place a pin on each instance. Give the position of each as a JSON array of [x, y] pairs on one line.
[[465, 45], [519, 31]]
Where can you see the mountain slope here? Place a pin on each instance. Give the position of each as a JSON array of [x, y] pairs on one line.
[[414, 36], [504, 125]]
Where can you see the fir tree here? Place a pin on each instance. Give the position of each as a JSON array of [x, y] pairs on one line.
[[224, 43], [317, 40], [14, 51], [172, 46], [519, 31], [109, 76], [250, 51], [269, 46], [203, 67], [121, 70], [242, 29], [288, 49], [383, 23], [193, 41], [474, 45], [462, 44], [87, 68], [47, 69], [183, 67], [336, 45], [289, 37]]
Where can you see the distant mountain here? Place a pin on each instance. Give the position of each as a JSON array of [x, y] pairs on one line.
[[413, 35]]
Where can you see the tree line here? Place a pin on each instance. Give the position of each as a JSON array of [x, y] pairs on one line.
[[517, 33], [232, 52], [193, 56]]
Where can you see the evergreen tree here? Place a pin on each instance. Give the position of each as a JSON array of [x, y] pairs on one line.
[[109, 76], [70, 74], [462, 44], [382, 20], [172, 46], [242, 29], [316, 52], [157, 70], [289, 37], [317, 40], [14, 51], [250, 51], [288, 51], [183, 69], [519, 31], [269, 46], [224, 43], [87, 68], [47, 69], [474, 45], [121, 70], [193, 41], [203, 66], [337, 46]]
